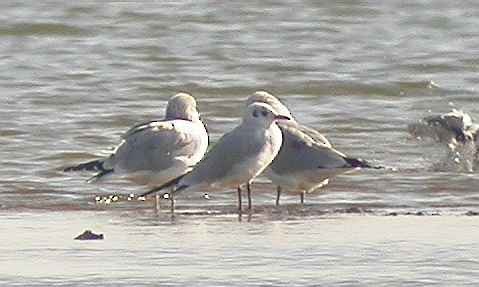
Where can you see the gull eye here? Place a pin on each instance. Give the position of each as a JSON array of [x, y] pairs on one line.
[[264, 113], [255, 113]]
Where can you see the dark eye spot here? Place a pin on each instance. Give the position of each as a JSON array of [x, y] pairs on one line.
[[264, 113], [255, 113]]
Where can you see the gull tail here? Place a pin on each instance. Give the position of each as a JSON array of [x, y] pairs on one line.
[[358, 162], [167, 184], [94, 165]]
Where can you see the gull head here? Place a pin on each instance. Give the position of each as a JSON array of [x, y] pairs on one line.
[[457, 119], [182, 106], [267, 98], [262, 114], [456, 122]]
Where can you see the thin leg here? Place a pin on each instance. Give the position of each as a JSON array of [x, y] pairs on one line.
[[302, 197], [172, 201], [157, 202], [278, 194], [248, 188], [239, 200]]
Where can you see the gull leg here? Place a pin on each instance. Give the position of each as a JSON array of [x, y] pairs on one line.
[[172, 202], [157, 202], [239, 200], [278, 194], [302, 197], [248, 189]]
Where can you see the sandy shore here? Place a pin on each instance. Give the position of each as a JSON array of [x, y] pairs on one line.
[[140, 249]]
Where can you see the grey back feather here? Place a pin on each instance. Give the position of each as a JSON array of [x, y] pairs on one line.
[[221, 159], [156, 145], [301, 152]]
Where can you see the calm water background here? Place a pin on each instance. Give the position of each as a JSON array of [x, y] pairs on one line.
[[75, 75]]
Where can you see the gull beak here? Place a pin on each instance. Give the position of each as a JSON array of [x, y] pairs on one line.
[[281, 117], [205, 125]]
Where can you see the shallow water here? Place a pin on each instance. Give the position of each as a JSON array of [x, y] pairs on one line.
[[75, 76]]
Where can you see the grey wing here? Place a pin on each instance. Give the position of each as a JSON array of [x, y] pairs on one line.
[[231, 149], [154, 146], [299, 152], [307, 132], [139, 127]]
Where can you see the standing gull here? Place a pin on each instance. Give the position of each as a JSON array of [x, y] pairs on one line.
[[156, 152], [239, 156], [306, 159]]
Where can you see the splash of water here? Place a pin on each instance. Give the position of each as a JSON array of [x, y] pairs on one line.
[[454, 132]]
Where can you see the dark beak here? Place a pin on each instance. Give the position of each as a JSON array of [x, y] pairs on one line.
[[204, 124], [281, 117]]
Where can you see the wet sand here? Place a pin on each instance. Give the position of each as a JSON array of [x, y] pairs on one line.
[[144, 249]]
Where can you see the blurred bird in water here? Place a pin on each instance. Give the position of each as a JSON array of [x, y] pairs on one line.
[[456, 131]]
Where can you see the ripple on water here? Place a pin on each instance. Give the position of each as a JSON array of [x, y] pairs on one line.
[[43, 29]]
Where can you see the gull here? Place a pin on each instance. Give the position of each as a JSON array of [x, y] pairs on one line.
[[457, 131], [155, 152], [306, 159], [450, 128], [238, 157]]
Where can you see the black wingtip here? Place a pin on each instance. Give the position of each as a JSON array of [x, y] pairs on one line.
[[165, 185], [181, 187], [358, 162], [94, 165]]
